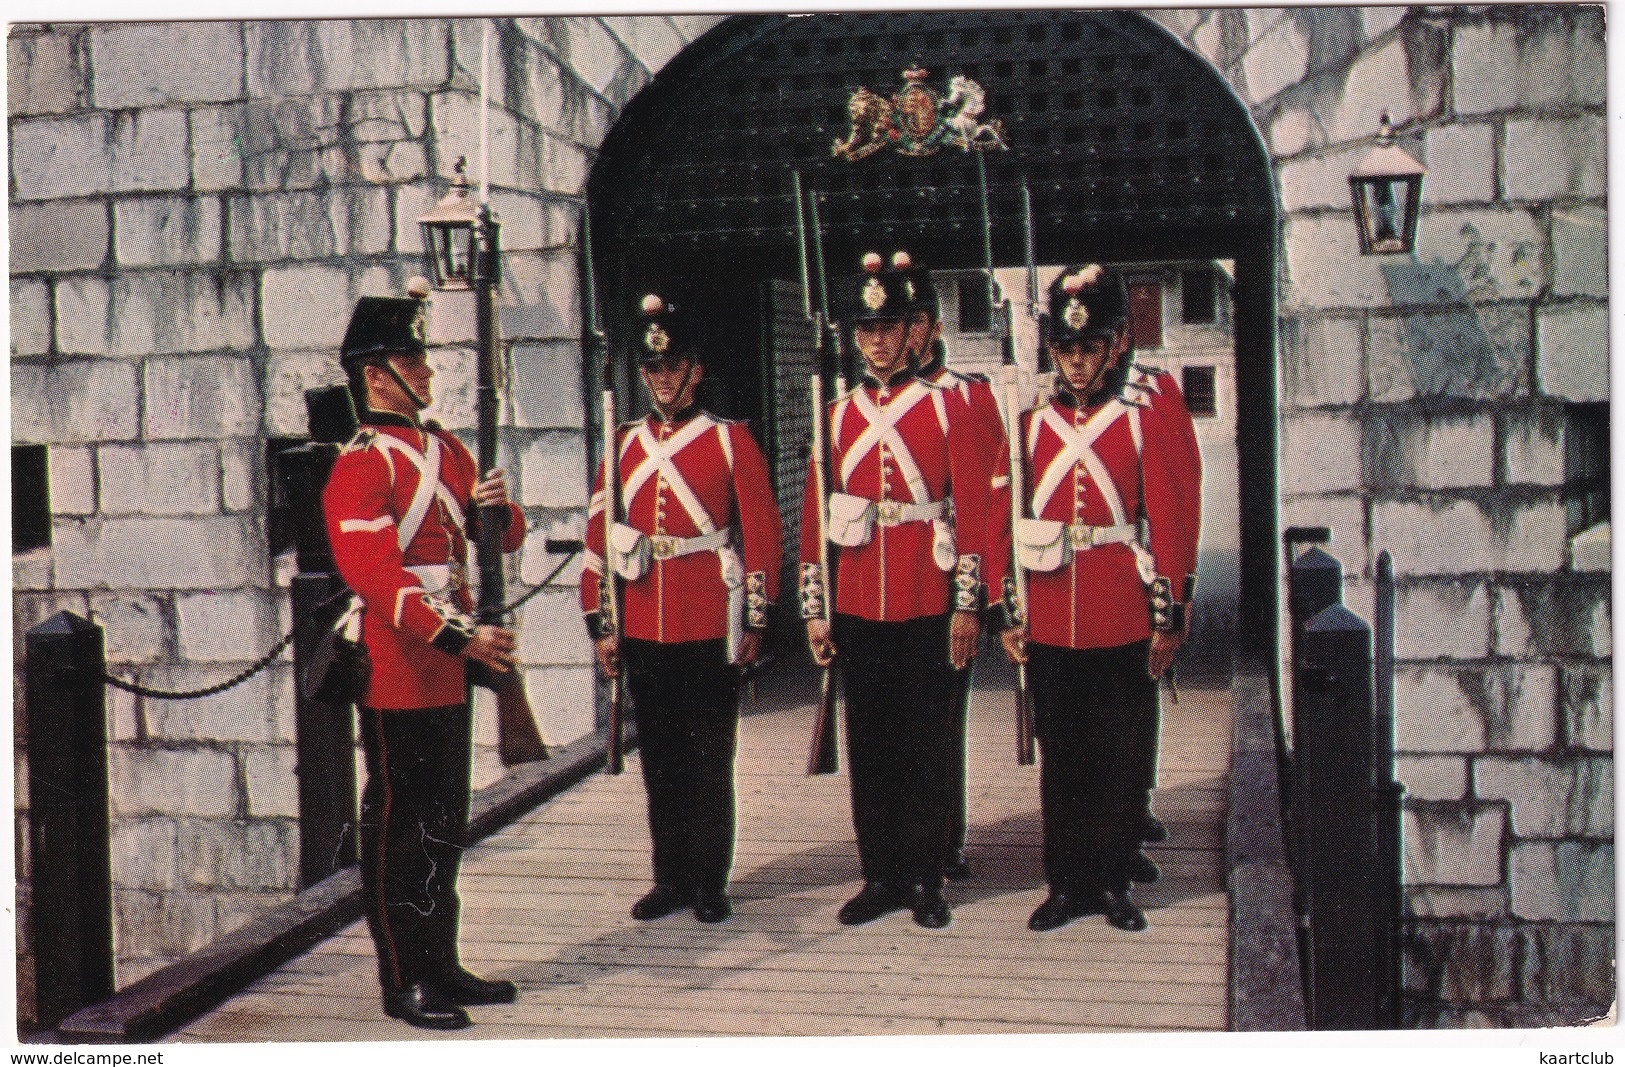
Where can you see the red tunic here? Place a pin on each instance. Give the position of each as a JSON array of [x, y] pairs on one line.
[[897, 575], [411, 635], [717, 469], [1100, 599], [987, 493]]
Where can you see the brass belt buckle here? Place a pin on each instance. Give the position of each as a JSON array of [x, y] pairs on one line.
[[1083, 535], [663, 547], [890, 512]]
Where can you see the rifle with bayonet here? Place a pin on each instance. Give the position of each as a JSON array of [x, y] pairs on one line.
[[823, 757], [1025, 754], [609, 585], [518, 739], [1012, 417]]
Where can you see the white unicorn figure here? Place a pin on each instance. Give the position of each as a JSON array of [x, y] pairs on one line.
[[965, 101]]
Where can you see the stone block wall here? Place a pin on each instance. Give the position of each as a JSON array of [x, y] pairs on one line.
[[1429, 406], [195, 208]]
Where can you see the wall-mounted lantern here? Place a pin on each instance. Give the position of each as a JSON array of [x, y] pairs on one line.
[[1387, 192], [451, 237]]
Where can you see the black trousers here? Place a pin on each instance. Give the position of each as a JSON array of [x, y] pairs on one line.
[[1095, 711], [957, 813], [414, 828], [685, 700], [900, 714]]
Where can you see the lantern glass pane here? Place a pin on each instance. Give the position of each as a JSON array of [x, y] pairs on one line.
[[1386, 209], [450, 247]]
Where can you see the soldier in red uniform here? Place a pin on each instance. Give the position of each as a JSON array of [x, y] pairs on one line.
[[697, 549], [908, 592], [976, 495], [401, 510], [1108, 539]]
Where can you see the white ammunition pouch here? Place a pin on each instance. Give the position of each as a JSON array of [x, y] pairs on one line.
[[1041, 545], [851, 520], [630, 552], [439, 577], [1047, 544]]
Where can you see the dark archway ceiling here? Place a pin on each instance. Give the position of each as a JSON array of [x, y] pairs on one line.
[[1133, 147]]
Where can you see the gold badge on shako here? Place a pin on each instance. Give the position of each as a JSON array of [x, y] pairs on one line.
[[420, 323], [874, 294], [1076, 315], [656, 339]]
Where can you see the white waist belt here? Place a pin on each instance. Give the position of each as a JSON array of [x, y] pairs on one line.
[[895, 512], [671, 547], [1081, 535]]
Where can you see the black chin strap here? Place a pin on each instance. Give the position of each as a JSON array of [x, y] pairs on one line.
[[411, 393], [682, 390]]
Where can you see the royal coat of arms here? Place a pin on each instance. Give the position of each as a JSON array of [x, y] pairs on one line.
[[917, 120]]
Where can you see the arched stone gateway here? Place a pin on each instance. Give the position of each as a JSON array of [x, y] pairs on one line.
[[1133, 147]]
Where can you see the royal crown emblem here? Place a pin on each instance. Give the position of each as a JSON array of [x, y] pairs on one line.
[[918, 120], [656, 339]]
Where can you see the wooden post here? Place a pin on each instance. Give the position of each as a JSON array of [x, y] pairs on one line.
[[69, 862]]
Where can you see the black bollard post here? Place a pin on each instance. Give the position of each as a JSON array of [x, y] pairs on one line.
[[1341, 882], [1314, 583], [69, 853], [324, 744], [1388, 801], [324, 733]]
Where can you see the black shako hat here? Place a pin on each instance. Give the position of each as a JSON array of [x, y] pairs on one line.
[[1086, 302], [917, 286], [667, 328], [385, 326], [880, 294]]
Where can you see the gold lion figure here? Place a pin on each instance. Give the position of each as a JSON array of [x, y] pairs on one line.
[[872, 126]]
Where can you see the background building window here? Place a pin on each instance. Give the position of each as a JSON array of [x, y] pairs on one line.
[[1197, 291], [1201, 390], [30, 498], [975, 306]]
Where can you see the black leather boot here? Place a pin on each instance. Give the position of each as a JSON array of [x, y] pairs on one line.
[[711, 905], [419, 1004], [930, 907], [1122, 912], [659, 902], [873, 901], [463, 987]]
